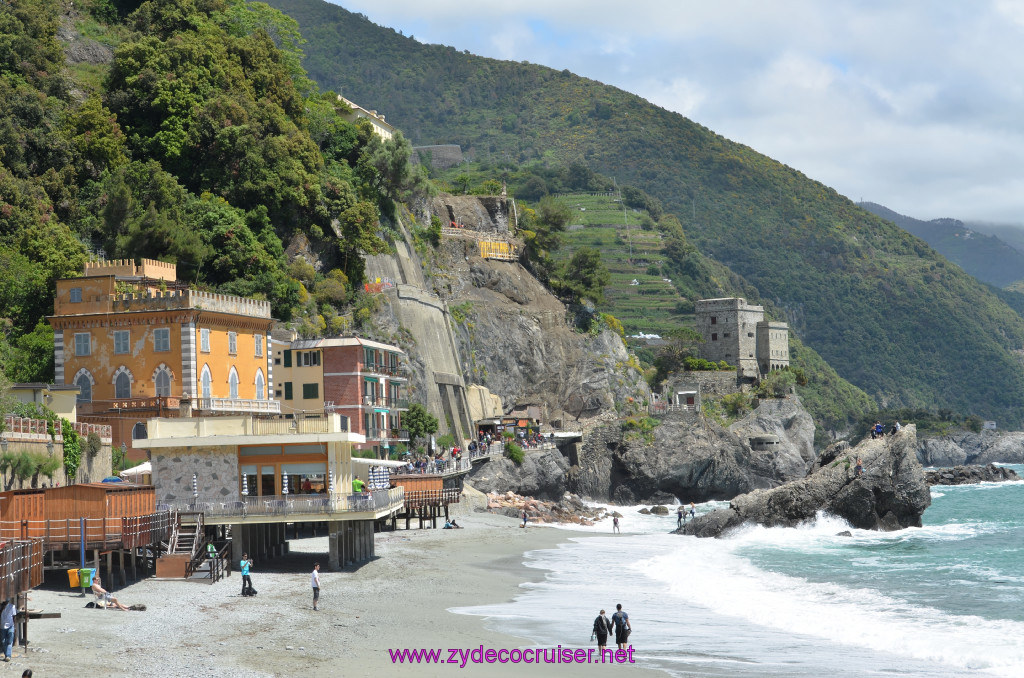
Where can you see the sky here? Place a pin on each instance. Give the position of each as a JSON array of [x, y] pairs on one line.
[[917, 105]]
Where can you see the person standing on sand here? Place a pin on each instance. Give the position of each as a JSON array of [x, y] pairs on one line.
[[525, 518], [316, 584], [7, 632], [602, 627], [615, 525], [622, 627], [247, 589]]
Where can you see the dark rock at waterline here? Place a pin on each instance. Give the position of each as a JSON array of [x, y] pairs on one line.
[[890, 494], [969, 475], [844, 533], [659, 510], [645, 511]]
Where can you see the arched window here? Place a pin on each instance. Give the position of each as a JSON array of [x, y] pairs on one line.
[[123, 383], [260, 385], [207, 382], [233, 384], [139, 431], [84, 382], [162, 383]]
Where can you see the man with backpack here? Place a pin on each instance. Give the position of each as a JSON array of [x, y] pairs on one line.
[[602, 627], [622, 627]]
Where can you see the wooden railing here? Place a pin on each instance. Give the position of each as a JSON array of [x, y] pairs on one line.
[[21, 567], [417, 498], [122, 532]]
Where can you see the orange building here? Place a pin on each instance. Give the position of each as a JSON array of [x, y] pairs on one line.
[[138, 343]]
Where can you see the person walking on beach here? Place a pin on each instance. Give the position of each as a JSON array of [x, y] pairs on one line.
[[7, 632], [622, 627], [316, 584], [602, 627], [247, 589], [525, 518], [615, 525]]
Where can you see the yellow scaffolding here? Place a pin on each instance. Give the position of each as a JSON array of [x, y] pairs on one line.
[[491, 249]]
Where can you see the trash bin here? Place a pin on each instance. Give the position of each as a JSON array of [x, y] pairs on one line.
[[85, 577], [73, 578]]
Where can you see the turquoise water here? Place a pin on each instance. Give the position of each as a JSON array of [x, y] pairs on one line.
[[943, 600]]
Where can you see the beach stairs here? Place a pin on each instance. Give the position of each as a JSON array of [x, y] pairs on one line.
[[184, 547]]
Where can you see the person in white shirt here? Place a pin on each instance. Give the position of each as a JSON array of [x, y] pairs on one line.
[[7, 628], [315, 580]]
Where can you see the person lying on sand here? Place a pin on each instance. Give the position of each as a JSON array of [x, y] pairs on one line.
[[104, 597]]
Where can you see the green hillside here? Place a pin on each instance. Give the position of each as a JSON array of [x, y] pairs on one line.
[[984, 256], [882, 307], [633, 253]]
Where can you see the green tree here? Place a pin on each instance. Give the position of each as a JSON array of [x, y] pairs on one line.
[[681, 344], [419, 422], [584, 276]]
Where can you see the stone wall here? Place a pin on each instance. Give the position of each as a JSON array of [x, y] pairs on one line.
[[217, 468], [91, 469]]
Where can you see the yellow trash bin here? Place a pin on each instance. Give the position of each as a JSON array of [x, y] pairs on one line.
[[73, 578]]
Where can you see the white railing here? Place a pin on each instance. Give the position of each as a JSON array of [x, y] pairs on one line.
[[292, 504], [445, 468], [238, 405]]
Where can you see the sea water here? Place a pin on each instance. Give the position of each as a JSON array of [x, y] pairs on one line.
[[943, 600]]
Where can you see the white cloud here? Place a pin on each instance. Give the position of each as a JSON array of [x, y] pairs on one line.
[[912, 104]]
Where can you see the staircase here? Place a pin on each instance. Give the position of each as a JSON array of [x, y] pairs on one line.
[[183, 548]]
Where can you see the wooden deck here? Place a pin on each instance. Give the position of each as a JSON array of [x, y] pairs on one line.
[[103, 534], [21, 567]]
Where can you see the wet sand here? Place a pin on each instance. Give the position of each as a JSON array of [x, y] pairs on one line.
[[399, 600]]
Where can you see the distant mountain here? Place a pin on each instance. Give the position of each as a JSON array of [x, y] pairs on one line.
[[986, 257], [1011, 234], [880, 305]]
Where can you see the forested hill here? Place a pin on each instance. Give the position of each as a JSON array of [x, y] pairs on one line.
[[887, 311], [984, 256]]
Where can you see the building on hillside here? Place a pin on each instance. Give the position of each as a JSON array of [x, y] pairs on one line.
[[381, 127], [138, 343], [257, 474], [62, 399], [361, 379], [736, 332]]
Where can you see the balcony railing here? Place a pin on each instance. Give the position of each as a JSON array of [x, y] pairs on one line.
[[395, 371], [435, 467], [396, 434], [235, 405], [292, 504], [154, 404], [389, 403]]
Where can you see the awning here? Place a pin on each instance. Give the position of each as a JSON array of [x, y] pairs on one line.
[[379, 462], [145, 468]]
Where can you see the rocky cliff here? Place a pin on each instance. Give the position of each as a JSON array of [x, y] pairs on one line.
[[891, 493], [966, 447], [690, 458], [464, 319], [970, 475]]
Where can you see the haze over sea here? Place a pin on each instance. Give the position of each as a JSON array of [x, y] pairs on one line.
[[943, 600]]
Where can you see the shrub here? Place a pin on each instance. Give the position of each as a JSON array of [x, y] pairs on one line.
[[514, 452]]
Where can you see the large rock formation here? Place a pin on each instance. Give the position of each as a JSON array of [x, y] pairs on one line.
[[890, 494], [692, 459], [541, 475], [966, 447], [970, 475]]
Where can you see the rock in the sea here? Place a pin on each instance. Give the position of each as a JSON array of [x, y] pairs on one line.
[[969, 448], [844, 533], [968, 475], [890, 494], [691, 458], [645, 511], [659, 510]]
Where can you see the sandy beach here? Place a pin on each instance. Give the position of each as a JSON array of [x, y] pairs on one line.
[[398, 600]]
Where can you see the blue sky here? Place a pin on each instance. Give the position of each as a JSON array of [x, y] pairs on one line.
[[918, 105]]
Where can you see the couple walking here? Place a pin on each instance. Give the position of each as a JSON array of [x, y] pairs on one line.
[[619, 622]]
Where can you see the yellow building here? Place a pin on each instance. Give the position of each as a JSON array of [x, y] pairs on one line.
[[138, 343], [381, 127]]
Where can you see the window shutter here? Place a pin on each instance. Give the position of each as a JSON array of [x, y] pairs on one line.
[[288, 359]]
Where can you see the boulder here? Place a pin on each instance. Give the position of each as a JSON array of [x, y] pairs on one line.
[[693, 459], [969, 448], [645, 511], [890, 494], [659, 510], [968, 475], [542, 474]]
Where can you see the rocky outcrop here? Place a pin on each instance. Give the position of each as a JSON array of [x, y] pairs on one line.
[[970, 475], [966, 447], [891, 493], [690, 458], [568, 509], [542, 475]]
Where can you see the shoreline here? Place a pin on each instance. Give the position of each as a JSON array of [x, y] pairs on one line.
[[399, 600]]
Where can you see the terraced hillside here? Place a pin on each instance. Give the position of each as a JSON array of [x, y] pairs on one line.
[[632, 253]]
